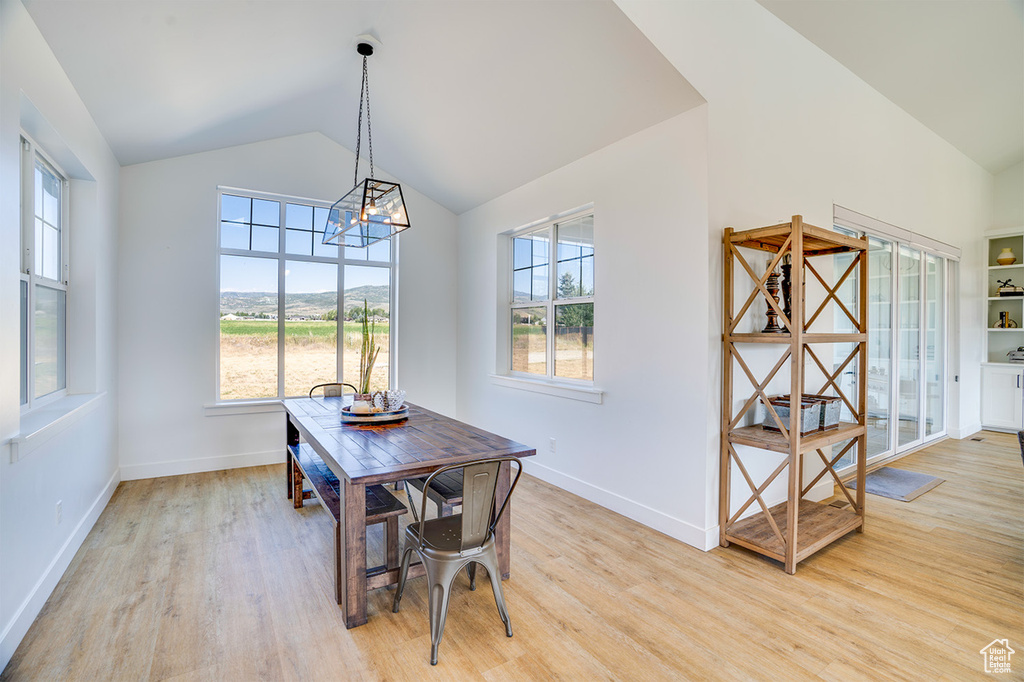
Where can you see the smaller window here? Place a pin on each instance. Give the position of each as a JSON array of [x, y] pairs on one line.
[[553, 281], [44, 286]]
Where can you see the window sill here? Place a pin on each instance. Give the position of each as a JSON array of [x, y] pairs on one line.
[[585, 394], [242, 407], [41, 425]]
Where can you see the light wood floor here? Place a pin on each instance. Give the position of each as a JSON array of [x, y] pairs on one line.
[[215, 577]]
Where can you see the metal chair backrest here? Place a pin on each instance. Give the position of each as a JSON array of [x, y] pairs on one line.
[[332, 390], [479, 486]]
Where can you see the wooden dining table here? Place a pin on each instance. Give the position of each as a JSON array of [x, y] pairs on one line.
[[367, 454]]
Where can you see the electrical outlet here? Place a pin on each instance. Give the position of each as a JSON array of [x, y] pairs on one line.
[[60, 511], [551, 446]]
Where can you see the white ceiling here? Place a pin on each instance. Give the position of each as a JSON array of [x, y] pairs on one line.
[[469, 99], [473, 99], [957, 66]]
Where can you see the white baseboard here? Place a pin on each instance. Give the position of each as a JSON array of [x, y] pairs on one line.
[[702, 539], [177, 467], [41, 591], [965, 432]]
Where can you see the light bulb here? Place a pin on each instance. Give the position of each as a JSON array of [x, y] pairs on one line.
[[372, 208]]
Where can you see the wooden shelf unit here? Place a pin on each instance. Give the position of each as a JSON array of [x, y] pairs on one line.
[[796, 528]]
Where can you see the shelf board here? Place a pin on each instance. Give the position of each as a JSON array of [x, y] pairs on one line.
[[1013, 329], [835, 338], [1006, 298], [817, 241], [817, 525], [786, 338], [1006, 267], [756, 437]]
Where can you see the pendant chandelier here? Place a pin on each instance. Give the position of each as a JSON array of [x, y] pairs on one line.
[[373, 209]]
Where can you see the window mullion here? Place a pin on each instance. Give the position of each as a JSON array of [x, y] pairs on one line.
[[552, 289], [27, 261], [27, 207], [340, 346], [65, 235], [280, 300], [393, 315]]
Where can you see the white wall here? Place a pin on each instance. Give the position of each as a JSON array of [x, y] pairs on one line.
[[169, 259], [79, 465], [1008, 206], [792, 131], [641, 451]]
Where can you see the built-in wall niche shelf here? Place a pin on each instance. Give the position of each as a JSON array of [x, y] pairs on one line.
[[998, 340], [999, 268], [794, 529]]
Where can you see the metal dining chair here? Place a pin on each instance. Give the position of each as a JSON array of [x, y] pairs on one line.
[[332, 390], [447, 544]]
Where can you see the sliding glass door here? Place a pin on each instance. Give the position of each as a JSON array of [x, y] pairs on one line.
[[935, 346], [909, 348], [880, 309], [906, 354]]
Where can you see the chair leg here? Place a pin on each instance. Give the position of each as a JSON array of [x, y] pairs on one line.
[[439, 581], [401, 579], [491, 564], [471, 569]]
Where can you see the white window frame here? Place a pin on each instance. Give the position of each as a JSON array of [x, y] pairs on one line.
[[30, 152], [552, 302], [282, 257]]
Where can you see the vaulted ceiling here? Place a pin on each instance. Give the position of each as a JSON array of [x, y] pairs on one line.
[[957, 66], [472, 99], [469, 99]]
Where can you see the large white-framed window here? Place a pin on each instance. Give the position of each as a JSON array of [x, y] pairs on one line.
[[551, 300], [281, 316], [43, 278]]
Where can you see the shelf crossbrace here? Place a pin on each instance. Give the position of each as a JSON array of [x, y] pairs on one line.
[[832, 291], [764, 508], [757, 493], [829, 467], [832, 377], [760, 287], [759, 391]]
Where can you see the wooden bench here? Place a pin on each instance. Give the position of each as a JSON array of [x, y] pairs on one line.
[[381, 505], [445, 491]]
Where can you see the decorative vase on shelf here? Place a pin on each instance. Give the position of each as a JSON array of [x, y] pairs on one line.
[[1006, 257]]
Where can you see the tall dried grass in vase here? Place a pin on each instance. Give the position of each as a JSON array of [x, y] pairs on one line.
[[368, 352]]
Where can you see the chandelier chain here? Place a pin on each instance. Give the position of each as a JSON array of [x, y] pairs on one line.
[[364, 95], [369, 129]]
